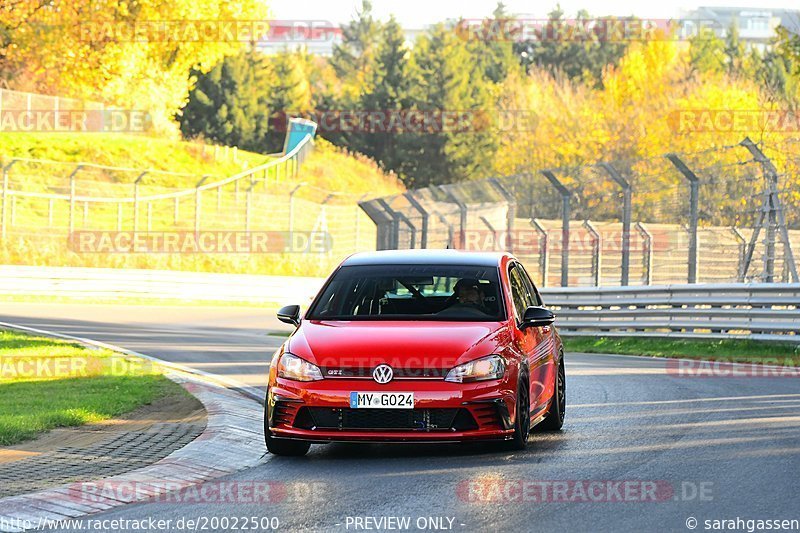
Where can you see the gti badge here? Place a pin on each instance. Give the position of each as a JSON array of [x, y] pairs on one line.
[[383, 374]]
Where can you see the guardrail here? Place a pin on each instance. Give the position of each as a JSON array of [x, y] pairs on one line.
[[763, 311], [106, 283]]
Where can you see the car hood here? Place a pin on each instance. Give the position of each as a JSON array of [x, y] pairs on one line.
[[400, 344]]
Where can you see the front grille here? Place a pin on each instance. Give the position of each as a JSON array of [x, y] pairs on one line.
[[399, 373], [378, 419]]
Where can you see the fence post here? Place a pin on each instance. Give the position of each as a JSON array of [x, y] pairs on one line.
[[597, 252], [511, 215], [462, 210], [777, 219], [626, 220], [647, 254], [356, 224], [197, 203], [291, 208], [742, 245], [176, 214], [694, 200], [72, 199], [450, 231], [4, 200], [119, 216], [565, 211], [544, 250], [418, 206], [493, 231], [249, 204], [136, 200], [398, 217]]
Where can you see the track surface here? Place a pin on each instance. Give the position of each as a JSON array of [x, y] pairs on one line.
[[717, 448]]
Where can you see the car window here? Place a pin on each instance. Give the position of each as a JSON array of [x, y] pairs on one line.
[[519, 293], [411, 292], [531, 288]]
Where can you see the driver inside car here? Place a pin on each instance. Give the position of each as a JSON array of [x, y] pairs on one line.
[[468, 301]]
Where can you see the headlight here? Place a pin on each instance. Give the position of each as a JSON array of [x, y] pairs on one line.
[[491, 367], [292, 367]]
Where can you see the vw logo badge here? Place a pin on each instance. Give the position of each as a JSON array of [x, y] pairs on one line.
[[383, 374]]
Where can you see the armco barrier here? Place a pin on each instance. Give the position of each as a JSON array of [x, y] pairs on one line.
[[104, 283], [767, 311]]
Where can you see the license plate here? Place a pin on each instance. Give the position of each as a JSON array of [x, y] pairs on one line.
[[381, 400]]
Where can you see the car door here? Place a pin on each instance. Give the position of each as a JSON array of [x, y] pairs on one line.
[[526, 340], [545, 351]]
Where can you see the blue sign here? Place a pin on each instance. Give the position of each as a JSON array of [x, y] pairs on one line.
[[296, 131]]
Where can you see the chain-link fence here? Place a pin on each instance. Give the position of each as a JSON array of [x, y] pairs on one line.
[[44, 202], [726, 214]]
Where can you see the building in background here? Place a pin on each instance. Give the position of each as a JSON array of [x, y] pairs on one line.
[[756, 25]]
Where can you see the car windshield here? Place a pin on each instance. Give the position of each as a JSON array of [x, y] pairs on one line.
[[411, 292]]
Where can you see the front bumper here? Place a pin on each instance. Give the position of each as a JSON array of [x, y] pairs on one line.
[[320, 411]]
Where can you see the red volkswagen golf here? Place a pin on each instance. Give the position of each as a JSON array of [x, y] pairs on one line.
[[417, 346]]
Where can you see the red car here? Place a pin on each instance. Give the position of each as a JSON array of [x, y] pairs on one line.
[[417, 346]]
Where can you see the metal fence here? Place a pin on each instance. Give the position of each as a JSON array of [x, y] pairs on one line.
[[46, 200], [727, 214], [759, 311], [763, 311]]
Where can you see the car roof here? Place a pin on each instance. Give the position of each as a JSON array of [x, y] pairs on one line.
[[426, 257]]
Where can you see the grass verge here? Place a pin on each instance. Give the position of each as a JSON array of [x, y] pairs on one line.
[[47, 383], [729, 350]]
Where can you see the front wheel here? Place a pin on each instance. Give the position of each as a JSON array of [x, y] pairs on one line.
[[554, 419], [295, 448], [522, 424]]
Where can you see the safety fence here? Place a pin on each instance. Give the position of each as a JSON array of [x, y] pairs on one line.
[[766, 311], [727, 214], [44, 202], [761, 311]]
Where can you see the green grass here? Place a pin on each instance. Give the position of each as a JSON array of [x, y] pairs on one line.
[[47, 383], [730, 350], [39, 233], [128, 151]]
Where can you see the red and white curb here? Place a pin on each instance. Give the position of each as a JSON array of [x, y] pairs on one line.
[[233, 440]]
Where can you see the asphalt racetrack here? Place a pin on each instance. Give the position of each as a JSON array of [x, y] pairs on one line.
[[644, 448]]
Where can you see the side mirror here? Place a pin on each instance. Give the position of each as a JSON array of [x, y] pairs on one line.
[[536, 317], [290, 314]]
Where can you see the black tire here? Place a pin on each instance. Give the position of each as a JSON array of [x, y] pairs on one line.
[[554, 419], [293, 448], [522, 424]]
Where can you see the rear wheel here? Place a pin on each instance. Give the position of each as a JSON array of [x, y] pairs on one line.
[[275, 446], [522, 425], [554, 419]]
